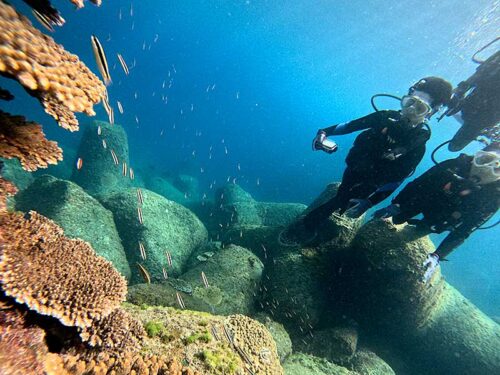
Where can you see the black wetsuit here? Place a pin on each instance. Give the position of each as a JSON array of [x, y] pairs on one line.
[[448, 200], [368, 167], [480, 109]]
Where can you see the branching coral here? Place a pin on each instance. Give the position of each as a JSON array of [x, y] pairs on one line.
[[60, 81], [26, 141], [54, 275], [6, 189]]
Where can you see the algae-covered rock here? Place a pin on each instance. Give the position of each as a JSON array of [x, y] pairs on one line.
[[164, 187], [236, 272], [208, 343], [100, 173], [366, 362], [79, 214], [188, 185], [337, 345], [280, 335], [64, 168], [236, 207], [263, 241], [305, 364], [11, 170], [443, 331], [167, 227], [203, 253], [279, 214]]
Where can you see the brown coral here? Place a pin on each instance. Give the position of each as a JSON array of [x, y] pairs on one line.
[[6, 189], [54, 275], [61, 82], [254, 344], [26, 141]]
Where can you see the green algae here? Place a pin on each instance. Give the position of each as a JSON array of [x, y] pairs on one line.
[[220, 361], [198, 336]]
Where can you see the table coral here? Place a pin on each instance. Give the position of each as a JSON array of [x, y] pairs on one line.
[[26, 141], [58, 79], [54, 275]]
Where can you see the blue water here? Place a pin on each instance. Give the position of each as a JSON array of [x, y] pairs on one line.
[[252, 81]]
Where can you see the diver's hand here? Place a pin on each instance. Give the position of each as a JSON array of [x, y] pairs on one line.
[[387, 212], [318, 140], [357, 207], [394, 154], [430, 264]]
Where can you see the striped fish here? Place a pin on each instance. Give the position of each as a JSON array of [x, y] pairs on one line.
[[124, 169], [140, 198], [100, 58], [204, 279], [123, 63], [142, 250], [115, 158], [104, 145], [79, 163], [169, 258], [165, 274], [215, 333], [109, 110], [139, 215], [180, 301], [99, 131], [144, 273], [43, 19], [120, 107], [131, 173]]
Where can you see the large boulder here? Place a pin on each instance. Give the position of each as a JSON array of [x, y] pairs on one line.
[[236, 272], [237, 207], [280, 335], [12, 171], [99, 173], [439, 330], [63, 169], [164, 187], [167, 227], [79, 214], [305, 364], [366, 362]]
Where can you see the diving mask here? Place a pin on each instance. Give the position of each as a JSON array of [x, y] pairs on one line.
[[415, 106], [485, 167]]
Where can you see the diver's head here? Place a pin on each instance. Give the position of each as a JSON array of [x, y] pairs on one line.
[[425, 98], [485, 166]]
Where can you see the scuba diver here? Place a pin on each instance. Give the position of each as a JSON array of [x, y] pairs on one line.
[[476, 103], [457, 195], [384, 154]]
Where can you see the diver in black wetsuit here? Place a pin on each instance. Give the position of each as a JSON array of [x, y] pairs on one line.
[[387, 152], [476, 102], [457, 195]]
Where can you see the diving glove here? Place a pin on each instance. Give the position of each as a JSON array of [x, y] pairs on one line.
[[430, 264], [387, 212], [320, 142], [357, 207]]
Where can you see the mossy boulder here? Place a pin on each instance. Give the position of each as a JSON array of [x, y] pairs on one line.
[[164, 187], [337, 345], [305, 364], [167, 227], [279, 214], [280, 335], [236, 207], [99, 173], [79, 214], [366, 362], [236, 272], [12, 170], [439, 329]]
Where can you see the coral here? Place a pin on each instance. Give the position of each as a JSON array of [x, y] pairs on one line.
[[255, 343], [116, 333], [219, 361], [199, 336], [25, 140], [58, 79], [6, 189], [54, 275]]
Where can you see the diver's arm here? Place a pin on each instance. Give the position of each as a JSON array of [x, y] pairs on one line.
[[352, 126]]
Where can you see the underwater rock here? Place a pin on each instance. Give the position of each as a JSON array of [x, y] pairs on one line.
[[236, 207], [188, 185], [305, 364], [443, 331], [167, 227], [366, 362], [79, 214], [165, 188], [236, 272], [203, 253], [64, 168], [337, 345], [14, 172], [101, 173], [280, 335], [261, 240], [208, 344], [279, 214]]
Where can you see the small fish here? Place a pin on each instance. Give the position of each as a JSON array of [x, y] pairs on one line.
[[165, 274], [100, 57], [139, 215], [124, 169], [99, 131], [131, 173], [109, 110], [79, 163], [180, 301], [204, 279], [131, 10], [104, 145], [144, 273], [142, 250], [120, 107], [228, 334], [140, 198], [115, 158], [123, 64], [44, 20], [244, 355], [215, 334], [169, 258], [136, 119], [447, 187], [111, 116]]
